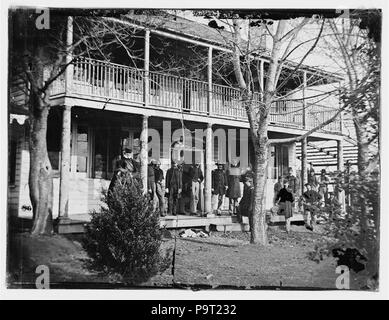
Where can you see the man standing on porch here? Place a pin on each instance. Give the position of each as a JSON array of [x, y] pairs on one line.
[[125, 165], [234, 192], [151, 181], [173, 187], [160, 194], [197, 178], [219, 185]]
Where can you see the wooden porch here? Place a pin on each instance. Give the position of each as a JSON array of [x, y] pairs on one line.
[[224, 223]]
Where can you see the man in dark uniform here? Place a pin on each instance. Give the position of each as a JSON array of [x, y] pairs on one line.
[[125, 165], [246, 203], [185, 196], [285, 199], [151, 180], [219, 185], [173, 187], [233, 182], [311, 200], [323, 185], [160, 193]]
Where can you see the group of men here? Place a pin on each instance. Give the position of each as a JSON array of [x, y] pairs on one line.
[[316, 194], [183, 182], [228, 183]]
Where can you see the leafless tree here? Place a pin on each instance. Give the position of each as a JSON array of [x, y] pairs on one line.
[[41, 56], [284, 39]]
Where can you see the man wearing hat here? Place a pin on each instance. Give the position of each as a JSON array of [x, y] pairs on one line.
[[173, 187], [285, 200], [159, 191], [219, 185], [234, 192], [311, 200], [246, 203], [196, 176], [151, 180], [125, 165], [323, 185]]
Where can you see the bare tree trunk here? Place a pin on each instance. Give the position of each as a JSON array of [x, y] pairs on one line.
[[40, 177], [258, 218]]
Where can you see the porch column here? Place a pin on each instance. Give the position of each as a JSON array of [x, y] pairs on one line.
[[209, 80], [304, 176], [304, 102], [143, 152], [65, 164], [146, 87], [340, 162], [69, 56], [340, 167], [304, 142], [208, 170]]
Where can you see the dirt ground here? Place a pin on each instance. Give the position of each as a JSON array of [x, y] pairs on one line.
[[222, 260]]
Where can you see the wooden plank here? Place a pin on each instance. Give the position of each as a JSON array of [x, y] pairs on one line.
[[277, 218]]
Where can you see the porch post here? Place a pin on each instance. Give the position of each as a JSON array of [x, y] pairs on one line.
[[209, 80], [143, 152], [65, 164], [208, 170], [69, 56], [304, 142], [340, 162], [340, 167], [304, 102], [304, 176], [146, 87]]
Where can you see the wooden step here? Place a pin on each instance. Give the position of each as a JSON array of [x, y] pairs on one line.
[[277, 218], [231, 227]]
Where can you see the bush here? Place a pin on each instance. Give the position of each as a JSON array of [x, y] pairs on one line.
[[124, 236], [356, 229]]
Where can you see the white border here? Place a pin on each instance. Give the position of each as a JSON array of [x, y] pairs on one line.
[[186, 294]]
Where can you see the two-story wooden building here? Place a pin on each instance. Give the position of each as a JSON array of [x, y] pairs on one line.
[[102, 106]]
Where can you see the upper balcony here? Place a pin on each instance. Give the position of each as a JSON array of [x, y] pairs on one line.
[[99, 79]]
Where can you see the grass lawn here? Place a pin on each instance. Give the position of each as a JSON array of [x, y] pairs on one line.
[[222, 260]]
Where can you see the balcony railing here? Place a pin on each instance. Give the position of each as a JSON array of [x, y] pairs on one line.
[[109, 80]]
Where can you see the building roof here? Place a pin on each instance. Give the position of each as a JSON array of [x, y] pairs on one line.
[[177, 25]]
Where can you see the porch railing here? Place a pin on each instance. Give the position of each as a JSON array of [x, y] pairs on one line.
[[109, 80]]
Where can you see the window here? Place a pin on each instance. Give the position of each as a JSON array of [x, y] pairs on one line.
[[282, 160], [82, 148], [101, 153], [279, 161], [108, 144]]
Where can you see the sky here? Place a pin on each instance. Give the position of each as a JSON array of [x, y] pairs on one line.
[[318, 58]]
